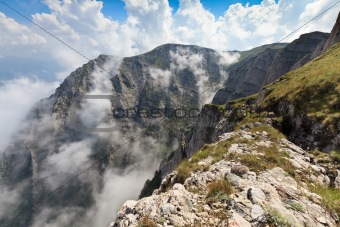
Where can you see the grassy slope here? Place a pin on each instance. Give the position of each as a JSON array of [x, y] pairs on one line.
[[314, 89]]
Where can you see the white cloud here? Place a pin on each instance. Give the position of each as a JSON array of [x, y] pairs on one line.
[[184, 58], [161, 77], [71, 157], [17, 97]]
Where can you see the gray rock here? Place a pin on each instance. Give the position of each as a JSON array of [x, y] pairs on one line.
[[256, 195], [239, 170], [257, 124], [256, 211]]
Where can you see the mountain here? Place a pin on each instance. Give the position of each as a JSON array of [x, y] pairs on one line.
[[265, 64], [60, 136]]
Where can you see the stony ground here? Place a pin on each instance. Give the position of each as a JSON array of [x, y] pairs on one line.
[[229, 193]]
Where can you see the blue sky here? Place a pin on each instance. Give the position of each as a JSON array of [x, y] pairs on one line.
[[115, 8]]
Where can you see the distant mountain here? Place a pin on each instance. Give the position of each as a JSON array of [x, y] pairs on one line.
[[263, 65]]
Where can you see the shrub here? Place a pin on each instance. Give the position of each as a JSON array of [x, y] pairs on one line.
[[330, 197], [219, 190], [296, 206], [183, 171], [146, 221], [271, 158], [276, 219]]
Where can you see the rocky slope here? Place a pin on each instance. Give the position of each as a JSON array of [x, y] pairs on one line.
[[241, 189], [262, 66]]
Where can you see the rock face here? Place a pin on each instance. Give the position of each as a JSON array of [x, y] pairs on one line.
[[162, 79], [294, 53], [267, 197], [250, 74]]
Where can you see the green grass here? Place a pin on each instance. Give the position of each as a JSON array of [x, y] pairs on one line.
[[184, 169], [330, 197], [296, 206], [335, 156], [274, 134], [276, 219], [219, 108], [314, 89], [242, 101], [271, 158], [219, 191], [215, 151]]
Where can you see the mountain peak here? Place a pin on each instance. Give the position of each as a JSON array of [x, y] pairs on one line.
[[334, 36]]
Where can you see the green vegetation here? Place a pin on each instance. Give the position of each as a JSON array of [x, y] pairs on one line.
[[268, 158], [276, 219], [314, 89], [238, 102], [219, 108], [161, 220], [274, 134], [296, 206], [146, 221], [219, 190], [335, 156], [330, 197], [184, 169], [216, 151]]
